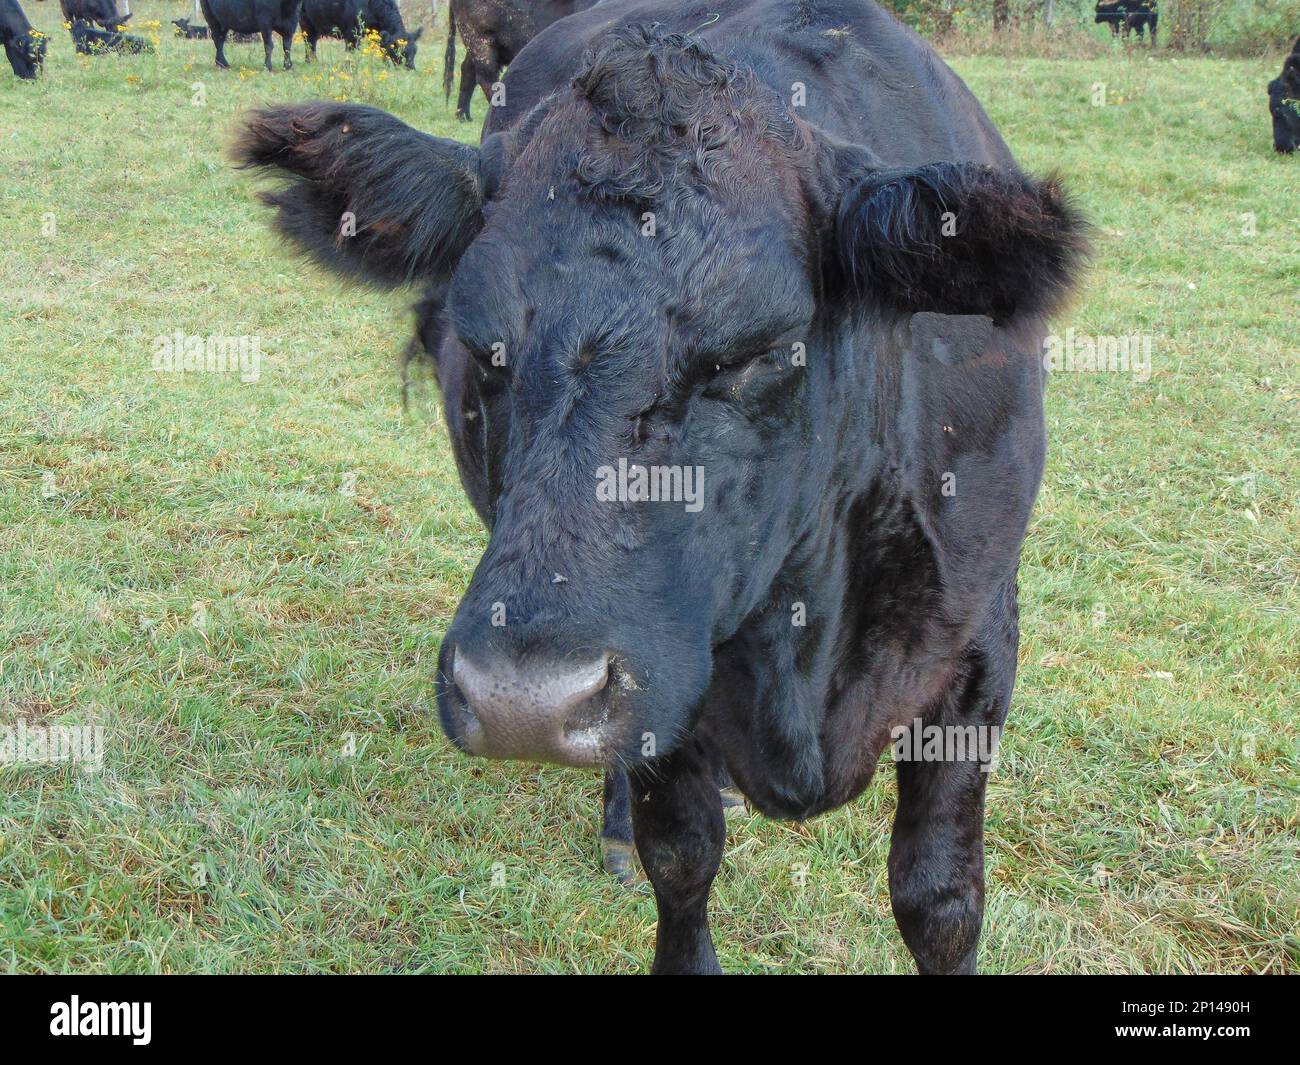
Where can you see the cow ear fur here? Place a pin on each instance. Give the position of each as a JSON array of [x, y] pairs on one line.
[[369, 195], [959, 238]]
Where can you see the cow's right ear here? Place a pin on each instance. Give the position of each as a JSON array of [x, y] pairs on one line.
[[372, 197]]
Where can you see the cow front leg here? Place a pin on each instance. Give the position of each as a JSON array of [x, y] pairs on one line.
[[936, 855], [616, 828], [286, 39], [219, 38], [678, 826], [268, 46]]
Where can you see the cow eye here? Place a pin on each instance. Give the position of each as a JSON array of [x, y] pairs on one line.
[[492, 363], [752, 362]]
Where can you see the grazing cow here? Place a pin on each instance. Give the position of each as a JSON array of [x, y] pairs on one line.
[[740, 334], [23, 45], [349, 19], [90, 40], [98, 12], [1284, 103], [261, 17], [494, 31], [1129, 15]]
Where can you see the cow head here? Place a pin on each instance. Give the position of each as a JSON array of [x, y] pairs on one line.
[[400, 48], [26, 53], [103, 13], [668, 289], [1284, 104]]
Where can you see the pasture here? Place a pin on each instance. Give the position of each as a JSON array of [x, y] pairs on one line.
[[243, 577]]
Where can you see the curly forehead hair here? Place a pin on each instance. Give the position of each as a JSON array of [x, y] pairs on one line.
[[666, 109]]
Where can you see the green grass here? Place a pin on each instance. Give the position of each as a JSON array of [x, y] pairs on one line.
[[1154, 731]]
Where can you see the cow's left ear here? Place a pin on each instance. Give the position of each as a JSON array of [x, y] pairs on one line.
[[960, 238]]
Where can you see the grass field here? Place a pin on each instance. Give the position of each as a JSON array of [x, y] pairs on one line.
[[182, 563]]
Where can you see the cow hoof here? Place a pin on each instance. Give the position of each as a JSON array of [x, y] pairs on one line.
[[461, 116], [222, 66], [619, 858], [288, 65]]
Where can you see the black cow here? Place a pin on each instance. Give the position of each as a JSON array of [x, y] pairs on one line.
[[90, 40], [262, 17], [98, 12], [350, 19], [780, 253], [24, 46], [1129, 15], [1284, 103], [189, 32], [494, 31]]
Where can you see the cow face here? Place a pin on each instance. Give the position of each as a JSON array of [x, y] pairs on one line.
[[667, 291], [400, 48], [26, 53], [104, 13], [1284, 105]]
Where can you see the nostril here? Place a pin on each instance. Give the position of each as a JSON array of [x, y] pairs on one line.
[[553, 711], [583, 682], [588, 707]]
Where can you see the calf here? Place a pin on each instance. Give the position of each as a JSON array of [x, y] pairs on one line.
[[192, 33], [23, 45], [1284, 103], [739, 335], [89, 40], [494, 31], [261, 17], [350, 19]]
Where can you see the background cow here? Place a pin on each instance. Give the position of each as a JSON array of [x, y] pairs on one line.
[[1284, 103], [1129, 15], [99, 12], [263, 17], [24, 46], [91, 40], [191, 32], [494, 31], [188, 31], [349, 19], [837, 311]]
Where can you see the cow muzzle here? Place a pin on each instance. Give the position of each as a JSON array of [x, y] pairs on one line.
[[558, 712]]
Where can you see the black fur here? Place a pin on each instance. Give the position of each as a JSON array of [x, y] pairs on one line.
[[416, 198], [24, 47], [349, 19], [1284, 103], [88, 40], [1016, 244], [99, 12], [828, 588], [265, 18], [494, 32]]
